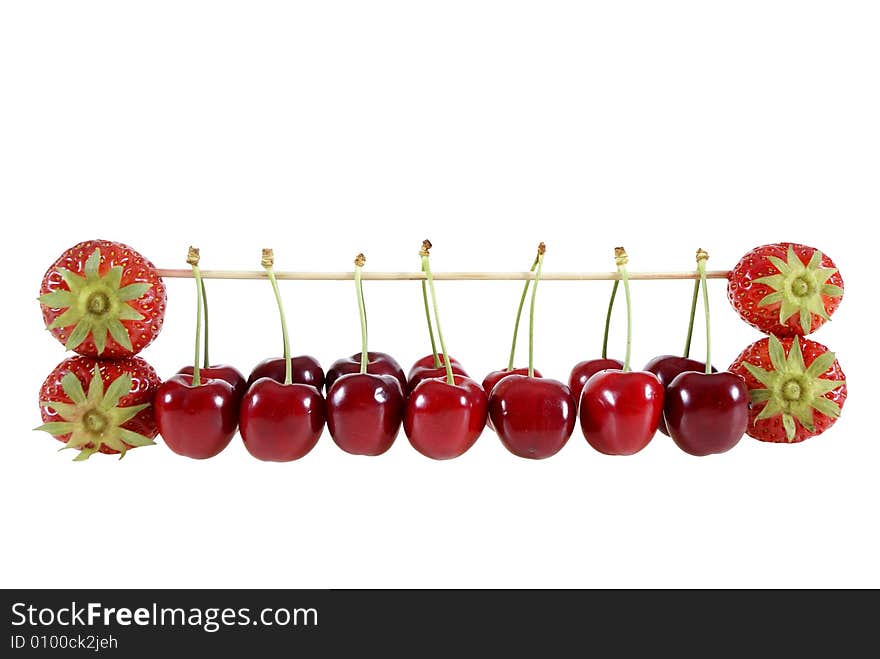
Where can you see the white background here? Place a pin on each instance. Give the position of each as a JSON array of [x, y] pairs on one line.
[[324, 129]]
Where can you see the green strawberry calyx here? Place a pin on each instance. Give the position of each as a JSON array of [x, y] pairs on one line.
[[95, 304], [94, 419], [792, 389], [798, 288]]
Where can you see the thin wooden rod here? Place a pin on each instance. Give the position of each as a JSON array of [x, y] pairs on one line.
[[442, 276]]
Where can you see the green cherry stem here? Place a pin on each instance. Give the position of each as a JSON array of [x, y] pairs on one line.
[[690, 334], [426, 267], [268, 262], [621, 259], [426, 246], [608, 318], [192, 258], [359, 262], [206, 362], [702, 257], [540, 263], [522, 302]]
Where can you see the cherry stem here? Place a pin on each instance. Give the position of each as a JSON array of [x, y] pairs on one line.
[[690, 334], [428, 317], [268, 262], [522, 302], [608, 318], [621, 259], [362, 309], [207, 362], [426, 267], [540, 264], [702, 257], [193, 259]]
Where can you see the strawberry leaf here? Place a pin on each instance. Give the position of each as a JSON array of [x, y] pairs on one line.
[[120, 387], [821, 364], [827, 407], [71, 386], [777, 354]]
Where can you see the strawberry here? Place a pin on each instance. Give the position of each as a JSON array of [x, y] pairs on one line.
[[785, 289], [796, 386], [102, 298], [100, 405]]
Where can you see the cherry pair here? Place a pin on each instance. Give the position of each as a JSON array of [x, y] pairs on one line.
[[198, 409], [705, 412], [535, 416]]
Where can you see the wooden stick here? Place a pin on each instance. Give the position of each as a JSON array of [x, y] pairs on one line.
[[443, 276]]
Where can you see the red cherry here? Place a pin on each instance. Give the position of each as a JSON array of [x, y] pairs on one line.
[[281, 422], [620, 411], [667, 368], [196, 421], [707, 413], [364, 412], [223, 372], [444, 420], [533, 416], [378, 363], [305, 369], [583, 371], [424, 369], [495, 377]]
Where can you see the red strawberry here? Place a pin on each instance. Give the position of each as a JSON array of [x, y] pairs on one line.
[[100, 405], [785, 289], [796, 386], [102, 298]]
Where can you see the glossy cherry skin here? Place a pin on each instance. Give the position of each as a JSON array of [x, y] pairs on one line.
[[442, 420], [707, 413], [364, 412], [197, 422], [620, 411], [221, 372], [583, 371], [667, 368], [495, 377], [424, 369], [281, 422], [534, 417], [378, 363], [305, 369]]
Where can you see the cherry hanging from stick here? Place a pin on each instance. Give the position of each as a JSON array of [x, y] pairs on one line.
[[281, 421], [365, 410], [196, 416], [706, 412], [533, 416], [668, 367], [620, 410], [444, 415]]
